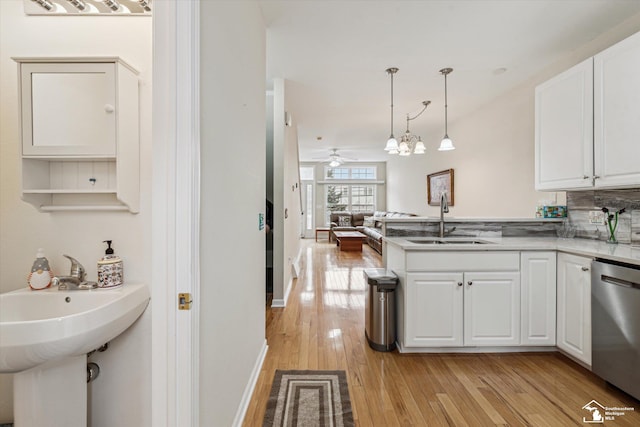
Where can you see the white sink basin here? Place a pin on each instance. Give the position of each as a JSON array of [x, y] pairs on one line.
[[41, 326]]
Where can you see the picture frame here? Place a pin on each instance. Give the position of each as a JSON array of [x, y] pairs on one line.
[[436, 184]]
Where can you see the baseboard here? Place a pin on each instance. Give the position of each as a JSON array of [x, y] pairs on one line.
[[295, 270], [277, 303], [251, 385], [480, 349], [281, 303]]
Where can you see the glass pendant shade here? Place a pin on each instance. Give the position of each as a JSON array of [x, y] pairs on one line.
[[334, 163], [403, 149], [392, 145], [419, 148], [446, 144]]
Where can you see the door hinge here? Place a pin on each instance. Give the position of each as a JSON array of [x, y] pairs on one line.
[[184, 301]]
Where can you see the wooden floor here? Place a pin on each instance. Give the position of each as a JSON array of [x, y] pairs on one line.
[[322, 327]]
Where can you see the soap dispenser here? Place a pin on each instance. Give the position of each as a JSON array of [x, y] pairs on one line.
[[41, 275], [110, 271]]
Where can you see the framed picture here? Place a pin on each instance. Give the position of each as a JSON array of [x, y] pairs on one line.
[[436, 184]]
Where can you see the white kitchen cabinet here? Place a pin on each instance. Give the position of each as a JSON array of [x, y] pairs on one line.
[[80, 133], [587, 123], [616, 115], [564, 130], [445, 308], [574, 306], [434, 304], [538, 298], [492, 309]]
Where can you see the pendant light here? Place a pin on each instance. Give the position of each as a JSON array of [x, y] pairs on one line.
[[392, 143], [446, 143]]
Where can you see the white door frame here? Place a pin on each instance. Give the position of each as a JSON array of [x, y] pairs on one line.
[[308, 234], [175, 213]]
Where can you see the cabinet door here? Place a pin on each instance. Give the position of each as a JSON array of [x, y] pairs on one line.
[[492, 309], [433, 310], [574, 306], [564, 130], [616, 114], [538, 298], [68, 109]]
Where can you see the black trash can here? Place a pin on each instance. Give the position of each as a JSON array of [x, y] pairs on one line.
[[380, 309]]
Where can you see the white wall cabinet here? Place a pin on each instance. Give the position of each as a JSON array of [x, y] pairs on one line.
[[80, 133], [574, 306], [616, 73], [538, 298], [586, 123], [564, 130]]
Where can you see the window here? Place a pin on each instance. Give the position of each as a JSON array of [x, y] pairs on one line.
[[350, 173], [306, 173], [345, 197], [348, 189]]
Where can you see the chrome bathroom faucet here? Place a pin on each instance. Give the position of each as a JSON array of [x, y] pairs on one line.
[[75, 279]]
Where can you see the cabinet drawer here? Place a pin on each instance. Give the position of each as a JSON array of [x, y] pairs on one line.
[[463, 261]]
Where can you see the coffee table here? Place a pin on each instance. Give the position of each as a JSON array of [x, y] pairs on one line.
[[349, 240]]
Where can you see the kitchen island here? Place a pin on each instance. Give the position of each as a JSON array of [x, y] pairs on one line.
[[477, 294]]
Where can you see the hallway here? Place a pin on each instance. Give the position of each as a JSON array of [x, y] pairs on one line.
[[323, 328]]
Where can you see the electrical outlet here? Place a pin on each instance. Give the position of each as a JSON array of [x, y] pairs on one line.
[[596, 217]]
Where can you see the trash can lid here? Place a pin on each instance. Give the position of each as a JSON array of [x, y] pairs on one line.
[[381, 277]]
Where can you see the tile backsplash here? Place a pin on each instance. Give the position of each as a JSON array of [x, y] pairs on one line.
[[579, 203]]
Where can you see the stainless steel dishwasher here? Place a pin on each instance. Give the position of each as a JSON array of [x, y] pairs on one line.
[[615, 322]]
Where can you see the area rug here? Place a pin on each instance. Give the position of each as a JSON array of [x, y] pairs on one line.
[[309, 399]]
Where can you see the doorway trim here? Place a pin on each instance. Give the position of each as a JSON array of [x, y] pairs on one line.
[[175, 213]]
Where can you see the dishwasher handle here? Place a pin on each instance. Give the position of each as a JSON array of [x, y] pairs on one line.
[[620, 282]]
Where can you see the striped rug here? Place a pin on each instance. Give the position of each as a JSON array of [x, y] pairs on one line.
[[309, 399]]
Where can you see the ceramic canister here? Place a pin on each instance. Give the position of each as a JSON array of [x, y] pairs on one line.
[[110, 272]]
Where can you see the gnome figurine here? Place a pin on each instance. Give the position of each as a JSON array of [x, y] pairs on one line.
[[41, 275]]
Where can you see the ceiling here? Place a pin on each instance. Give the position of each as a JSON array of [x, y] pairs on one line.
[[334, 54]]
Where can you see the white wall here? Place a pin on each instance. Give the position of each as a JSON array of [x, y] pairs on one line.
[[494, 158], [286, 196], [232, 256], [121, 396]]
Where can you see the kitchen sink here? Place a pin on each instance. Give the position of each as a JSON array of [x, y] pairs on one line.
[[448, 241]]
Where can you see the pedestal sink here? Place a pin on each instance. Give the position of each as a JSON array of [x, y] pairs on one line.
[[44, 338]]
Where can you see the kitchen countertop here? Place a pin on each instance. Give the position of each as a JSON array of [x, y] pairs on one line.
[[585, 247], [465, 219]]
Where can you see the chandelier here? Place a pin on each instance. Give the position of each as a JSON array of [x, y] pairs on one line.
[[409, 143]]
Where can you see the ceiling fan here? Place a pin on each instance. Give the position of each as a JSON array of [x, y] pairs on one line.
[[335, 159]]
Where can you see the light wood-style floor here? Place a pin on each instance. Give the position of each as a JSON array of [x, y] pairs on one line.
[[323, 328]]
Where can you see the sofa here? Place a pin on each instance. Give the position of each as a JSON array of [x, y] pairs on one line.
[[367, 223]]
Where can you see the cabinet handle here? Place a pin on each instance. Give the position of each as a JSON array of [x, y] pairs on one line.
[[596, 177], [459, 283], [585, 268], [585, 177], [469, 283], [109, 108]]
